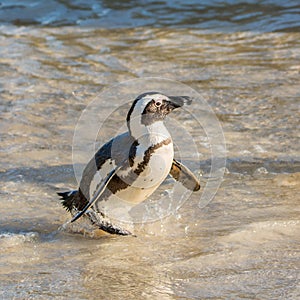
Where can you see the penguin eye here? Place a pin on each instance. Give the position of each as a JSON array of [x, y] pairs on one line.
[[157, 104]]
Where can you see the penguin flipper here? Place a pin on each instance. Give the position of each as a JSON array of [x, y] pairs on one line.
[[185, 176], [100, 189]]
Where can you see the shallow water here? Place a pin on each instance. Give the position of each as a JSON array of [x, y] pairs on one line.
[[245, 243]]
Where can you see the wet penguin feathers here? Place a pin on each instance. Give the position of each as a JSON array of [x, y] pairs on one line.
[[131, 165]]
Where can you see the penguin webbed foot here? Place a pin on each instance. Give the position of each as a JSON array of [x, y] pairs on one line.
[[107, 226]]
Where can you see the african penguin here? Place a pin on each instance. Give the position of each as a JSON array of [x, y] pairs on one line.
[[131, 166]]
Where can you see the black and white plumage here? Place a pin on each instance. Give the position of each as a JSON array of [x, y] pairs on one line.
[[131, 166]]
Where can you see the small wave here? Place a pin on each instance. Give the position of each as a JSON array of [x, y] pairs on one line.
[[225, 15], [9, 239]]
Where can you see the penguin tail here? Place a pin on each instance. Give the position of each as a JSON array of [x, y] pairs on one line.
[[67, 199]]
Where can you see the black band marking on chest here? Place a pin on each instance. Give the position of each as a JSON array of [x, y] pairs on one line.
[[132, 152], [142, 165], [118, 183]]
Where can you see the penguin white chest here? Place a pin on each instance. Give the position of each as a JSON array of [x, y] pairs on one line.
[[151, 172], [154, 167]]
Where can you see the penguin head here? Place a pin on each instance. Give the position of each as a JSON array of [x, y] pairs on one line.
[[149, 108]]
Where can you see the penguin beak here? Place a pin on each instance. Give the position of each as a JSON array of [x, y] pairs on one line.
[[179, 101]]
